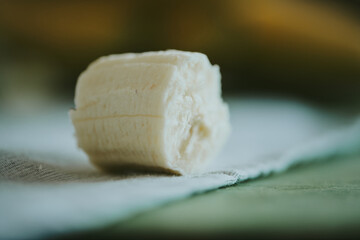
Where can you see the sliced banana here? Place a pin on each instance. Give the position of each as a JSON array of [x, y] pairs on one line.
[[155, 110]]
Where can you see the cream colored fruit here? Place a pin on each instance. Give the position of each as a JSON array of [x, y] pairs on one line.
[[155, 110]]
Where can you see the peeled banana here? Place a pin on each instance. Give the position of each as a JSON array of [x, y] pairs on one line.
[[155, 111]]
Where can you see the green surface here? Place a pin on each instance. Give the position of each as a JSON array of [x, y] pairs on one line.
[[321, 197]]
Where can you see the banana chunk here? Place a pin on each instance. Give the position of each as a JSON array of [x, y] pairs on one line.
[[155, 110]]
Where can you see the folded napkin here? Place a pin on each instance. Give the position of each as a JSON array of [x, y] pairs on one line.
[[48, 187]]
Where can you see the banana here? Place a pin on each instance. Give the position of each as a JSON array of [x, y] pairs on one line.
[[154, 111]]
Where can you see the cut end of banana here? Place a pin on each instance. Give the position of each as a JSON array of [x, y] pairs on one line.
[[155, 110]]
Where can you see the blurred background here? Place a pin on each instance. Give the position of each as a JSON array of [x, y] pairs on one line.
[[305, 49]]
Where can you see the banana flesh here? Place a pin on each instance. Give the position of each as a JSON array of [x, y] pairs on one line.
[[155, 111]]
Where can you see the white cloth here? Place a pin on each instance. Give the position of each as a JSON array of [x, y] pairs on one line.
[[48, 187]]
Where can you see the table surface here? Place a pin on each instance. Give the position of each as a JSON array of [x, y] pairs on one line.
[[321, 198]]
